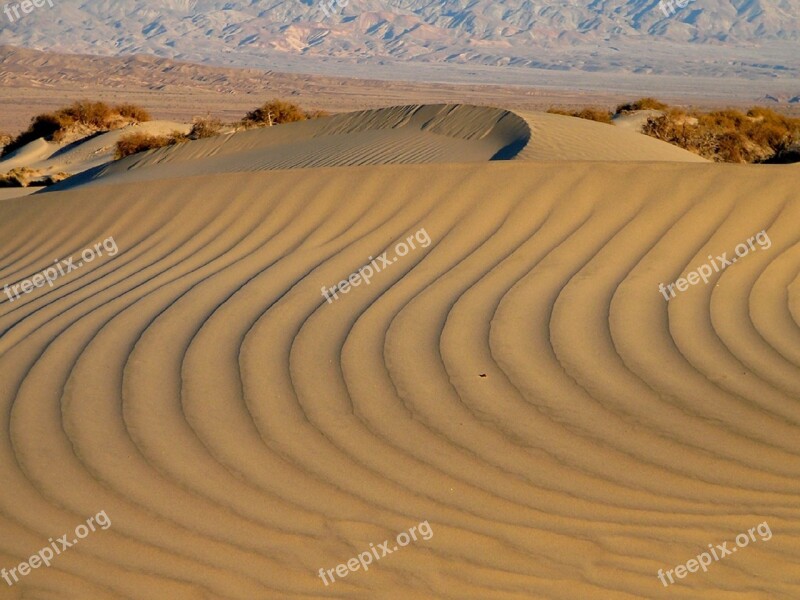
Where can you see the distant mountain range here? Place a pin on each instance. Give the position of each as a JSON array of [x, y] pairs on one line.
[[745, 38]]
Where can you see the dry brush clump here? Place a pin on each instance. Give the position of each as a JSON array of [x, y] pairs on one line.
[[271, 113], [592, 114], [84, 117], [20, 177], [139, 141], [277, 112], [205, 128], [760, 135], [641, 104], [274, 112], [135, 113], [25, 176]]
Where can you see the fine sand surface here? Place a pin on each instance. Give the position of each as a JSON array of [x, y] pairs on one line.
[[442, 133], [15, 192], [520, 383]]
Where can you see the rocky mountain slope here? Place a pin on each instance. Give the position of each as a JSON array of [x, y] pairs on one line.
[[749, 38]]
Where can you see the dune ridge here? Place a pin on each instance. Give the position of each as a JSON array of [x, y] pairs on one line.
[[442, 133], [521, 383]]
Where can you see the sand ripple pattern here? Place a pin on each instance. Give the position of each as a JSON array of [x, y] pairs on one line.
[[414, 134], [520, 384]]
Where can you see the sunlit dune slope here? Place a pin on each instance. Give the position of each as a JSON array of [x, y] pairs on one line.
[[557, 137], [405, 135], [520, 383]]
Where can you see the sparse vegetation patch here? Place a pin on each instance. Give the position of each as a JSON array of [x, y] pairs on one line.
[[80, 118], [641, 104], [760, 135], [592, 114], [277, 112], [139, 141], [25, 176], [205, 128]]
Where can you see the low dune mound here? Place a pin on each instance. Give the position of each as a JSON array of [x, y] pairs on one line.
[[50, 158], [558, 137], [30, 153]]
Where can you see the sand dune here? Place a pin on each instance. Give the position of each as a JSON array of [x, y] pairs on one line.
[[443, 133], [405, 134], [520, 383]]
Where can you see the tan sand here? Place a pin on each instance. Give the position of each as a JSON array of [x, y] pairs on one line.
[[443, 133], [520, 384]]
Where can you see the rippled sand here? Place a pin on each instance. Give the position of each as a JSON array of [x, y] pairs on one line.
[[521, 384]]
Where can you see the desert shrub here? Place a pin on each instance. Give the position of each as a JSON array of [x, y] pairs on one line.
[[25, 176], [132, 112], [724, 119], [139, 141], [771, 135], [5, 139], [8, 180], [727, 135], [641, 104], [17, 177], [759, 112], [592, 114], [100, 114], [752, 137], [680, 132], [732, 147], [93, 114], [668, 129], [773, 129], [205, 128], [595, 114], [274, 112]]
